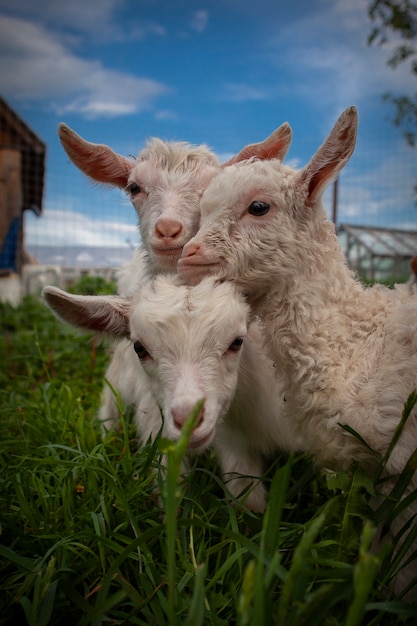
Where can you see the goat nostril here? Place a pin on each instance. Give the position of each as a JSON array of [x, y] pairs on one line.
[[190, 249], [179, 417], [200, 418], [167, 228]]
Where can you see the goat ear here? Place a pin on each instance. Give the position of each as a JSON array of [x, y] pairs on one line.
[[273, 147], [98, 161], [104, 314], [331, 157]]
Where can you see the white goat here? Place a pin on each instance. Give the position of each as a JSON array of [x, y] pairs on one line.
[[188, 344], [348, 353], [165, 184]]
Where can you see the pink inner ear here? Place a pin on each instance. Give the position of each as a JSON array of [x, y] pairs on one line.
[[97, 161], [273, 147], [110, 168], [318, 179], [332, 155]]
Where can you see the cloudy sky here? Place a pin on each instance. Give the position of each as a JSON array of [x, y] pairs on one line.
[[221, 72]]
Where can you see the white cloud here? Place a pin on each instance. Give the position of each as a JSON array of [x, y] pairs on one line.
[[36, 65], [294, 162], [107, 93], [166, 115], [329, 57], [99, 19], [325, 50], [199, 20], [235, 92], [69, 228], [69, 13], [378, 190], [225, 156]]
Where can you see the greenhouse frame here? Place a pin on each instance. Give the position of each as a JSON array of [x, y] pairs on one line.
[[378, 254]]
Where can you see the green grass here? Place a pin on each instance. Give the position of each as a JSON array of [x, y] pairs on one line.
[[86, 539]]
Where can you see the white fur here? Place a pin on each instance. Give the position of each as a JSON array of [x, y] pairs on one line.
[[188, 334], [165, 184], [348, 353], [170, 179]]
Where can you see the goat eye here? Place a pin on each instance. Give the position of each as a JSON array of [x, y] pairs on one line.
[[236, 345], [258, 208], [140, 350], [133, 189]]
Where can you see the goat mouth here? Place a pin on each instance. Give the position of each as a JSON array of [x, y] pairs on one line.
[[198, 445], [168, 251], [195, 264], [193, 270], [196, 261]]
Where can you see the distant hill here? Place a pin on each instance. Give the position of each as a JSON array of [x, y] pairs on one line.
[[80, 256]]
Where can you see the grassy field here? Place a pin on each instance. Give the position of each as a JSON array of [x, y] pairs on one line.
[[85, 539]]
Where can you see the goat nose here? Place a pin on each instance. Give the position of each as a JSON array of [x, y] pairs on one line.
[[190, 249], [168, 228], [180, 416]]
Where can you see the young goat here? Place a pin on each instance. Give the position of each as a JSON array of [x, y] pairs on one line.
[[186, 344], [348, 354], [165, 184]]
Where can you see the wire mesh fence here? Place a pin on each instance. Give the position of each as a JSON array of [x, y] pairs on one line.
[[53, 217]]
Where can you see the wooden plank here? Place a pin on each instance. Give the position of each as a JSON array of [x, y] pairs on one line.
[[11, 196]]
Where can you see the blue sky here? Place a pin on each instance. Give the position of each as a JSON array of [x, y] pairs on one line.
[[221, 72]]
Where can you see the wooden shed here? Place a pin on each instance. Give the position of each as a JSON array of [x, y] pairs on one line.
[[22, 170]]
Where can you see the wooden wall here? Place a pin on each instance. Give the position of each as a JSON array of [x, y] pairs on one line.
[[11, 199]]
